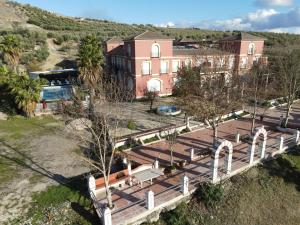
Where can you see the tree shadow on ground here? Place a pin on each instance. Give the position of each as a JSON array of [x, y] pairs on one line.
[[76, 184], [282, 167]]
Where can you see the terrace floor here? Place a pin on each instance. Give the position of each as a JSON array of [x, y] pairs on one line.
[[129, 200]]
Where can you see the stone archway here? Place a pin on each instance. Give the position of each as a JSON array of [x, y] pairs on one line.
[[258, 131], [220, 145]]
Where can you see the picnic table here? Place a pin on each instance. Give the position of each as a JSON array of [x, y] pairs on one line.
[[147, 175]]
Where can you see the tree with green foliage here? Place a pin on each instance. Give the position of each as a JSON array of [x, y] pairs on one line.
[[90, 63], [25, 91], [10, 48]]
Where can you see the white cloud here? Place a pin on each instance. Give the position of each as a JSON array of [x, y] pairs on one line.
[[294, 30], [168, 24], [273, 3], [260, 20]]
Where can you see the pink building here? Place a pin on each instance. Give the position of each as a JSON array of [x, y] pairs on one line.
[[150, 61]]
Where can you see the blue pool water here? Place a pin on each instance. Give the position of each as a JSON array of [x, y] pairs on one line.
[[57, 93]]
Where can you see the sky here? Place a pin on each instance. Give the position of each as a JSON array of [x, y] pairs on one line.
[[250, 15]]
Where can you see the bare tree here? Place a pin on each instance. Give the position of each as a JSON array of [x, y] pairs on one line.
[[208, 90], [151, 96], [287, 71], [171, 139], [255, 93], [101, 130]]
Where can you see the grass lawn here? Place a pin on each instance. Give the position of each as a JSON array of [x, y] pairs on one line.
[[268, 194], [18, 127]]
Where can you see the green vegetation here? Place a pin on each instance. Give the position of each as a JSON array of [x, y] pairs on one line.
[[149, 140], [131, 125], [131, 143], [210, 194], [17, 127], [90, 63], [62, 204], [268, 194], [24, 90], [31, 46]]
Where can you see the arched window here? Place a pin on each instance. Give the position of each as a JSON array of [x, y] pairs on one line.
[[251, 49], [155, 51], [154, 85]]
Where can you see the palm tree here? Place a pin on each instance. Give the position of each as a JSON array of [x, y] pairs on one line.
[[11, 49], [27, 93], [90, 63]]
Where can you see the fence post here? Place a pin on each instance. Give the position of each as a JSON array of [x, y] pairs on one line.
[[129, 173], [92, 184], [150, 200], [156, 164], [237, 138], [192, 151], [107, 216], [185, 185], [281, 140]]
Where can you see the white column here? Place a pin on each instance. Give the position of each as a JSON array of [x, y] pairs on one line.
[[156, 164], [263, 149], [129, 173], [92, 184], [251, 153], [150, 200], [185, 185], [192, 151], [215, 169], [281, 139], [227, 162], [125, 161], [107, 217], [188, 123], [297, 136], [237, 138]]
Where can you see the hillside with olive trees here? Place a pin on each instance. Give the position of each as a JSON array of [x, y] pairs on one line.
[[51, 40]]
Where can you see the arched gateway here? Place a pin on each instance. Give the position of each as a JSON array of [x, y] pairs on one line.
[[227, 145], [258, 132]]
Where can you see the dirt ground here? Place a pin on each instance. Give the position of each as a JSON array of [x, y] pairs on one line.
[[33, 158]]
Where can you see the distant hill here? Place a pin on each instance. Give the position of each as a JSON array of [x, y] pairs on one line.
[[65, 32]]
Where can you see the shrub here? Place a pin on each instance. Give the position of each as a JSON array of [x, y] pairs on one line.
[[210, 194], [131, 125], [149, 140], [59, 40]]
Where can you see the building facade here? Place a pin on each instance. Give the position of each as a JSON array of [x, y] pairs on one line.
[[150, 61]]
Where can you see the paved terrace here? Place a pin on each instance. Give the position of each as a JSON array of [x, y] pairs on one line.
[[130, 201]]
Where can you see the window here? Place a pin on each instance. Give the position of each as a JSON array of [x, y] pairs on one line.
[[155, 51], [251, 49], [230, 63], [146, 68], [255, 61], [188, 63], [210, 62], [129, 66], [175, 65], [130, 84], [221, 63], [164, 66], [154, 85], [129, 50], [244, 62], [200, 62]]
